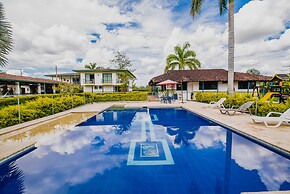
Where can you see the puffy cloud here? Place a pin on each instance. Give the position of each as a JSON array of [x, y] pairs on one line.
[[46, 34], [259, 20], [271, 167]]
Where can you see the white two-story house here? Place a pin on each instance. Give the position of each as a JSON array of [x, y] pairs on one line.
[[103, 80], [96, 80]]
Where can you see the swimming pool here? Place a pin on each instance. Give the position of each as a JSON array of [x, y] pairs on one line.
[[146, 151]]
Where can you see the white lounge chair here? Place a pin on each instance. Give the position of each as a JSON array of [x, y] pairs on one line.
[[283, 118], [218, 104], [245, 108]]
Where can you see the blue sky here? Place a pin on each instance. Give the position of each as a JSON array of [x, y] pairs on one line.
[[73, 33]]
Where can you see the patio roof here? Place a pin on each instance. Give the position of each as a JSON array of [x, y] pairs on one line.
[[16, 78]]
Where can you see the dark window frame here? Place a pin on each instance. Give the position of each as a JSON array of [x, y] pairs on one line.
[[209, 85], [107, 78]]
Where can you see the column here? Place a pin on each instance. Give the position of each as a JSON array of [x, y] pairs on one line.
[[17, 88], [38, 88], [44, 88]]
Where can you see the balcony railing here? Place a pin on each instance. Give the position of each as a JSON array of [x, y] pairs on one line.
[[89, 81]]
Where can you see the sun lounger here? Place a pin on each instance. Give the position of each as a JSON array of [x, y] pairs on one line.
[[218, 104], [267, 120], [245, 108]]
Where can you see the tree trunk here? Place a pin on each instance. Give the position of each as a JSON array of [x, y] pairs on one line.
[[231, 48]]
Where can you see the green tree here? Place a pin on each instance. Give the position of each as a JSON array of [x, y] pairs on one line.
[[121, 61], [223, 6], [253, 71], [124, 77], [183, 57], [66, 88], [6, 42], [93, 66]]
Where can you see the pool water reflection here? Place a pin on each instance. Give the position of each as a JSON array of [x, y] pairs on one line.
[[93, 158]]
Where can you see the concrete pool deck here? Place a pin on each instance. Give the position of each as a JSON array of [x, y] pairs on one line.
[[16, 138]]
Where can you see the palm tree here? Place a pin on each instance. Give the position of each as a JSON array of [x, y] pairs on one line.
[[5, 38], [182, 135], [93, 66], [196, 8], [183, 57]]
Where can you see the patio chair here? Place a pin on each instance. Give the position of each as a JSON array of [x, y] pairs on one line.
[[283, 118], [245, 108], [218, 104]]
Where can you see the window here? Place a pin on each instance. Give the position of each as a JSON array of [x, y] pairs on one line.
[[208, 85], [244, 84], [89, 78], [107, 78], [184, 86]]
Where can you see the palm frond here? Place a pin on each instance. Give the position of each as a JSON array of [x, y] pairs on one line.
[[186, 46], [223, 6], [174, 64], [167, 67], [195, 7], [189, 53], [6, 42], [171, 57], [197, 63], [178, 51]]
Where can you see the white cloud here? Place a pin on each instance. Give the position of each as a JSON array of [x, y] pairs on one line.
[[56, 32], [260, 19], [271, 167]]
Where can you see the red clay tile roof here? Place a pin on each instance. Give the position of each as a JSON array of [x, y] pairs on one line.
[[205, 75], [9, 77]]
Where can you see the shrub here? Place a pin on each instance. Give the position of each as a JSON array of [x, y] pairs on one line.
[[263, 108], [44, 105], [4, 102]]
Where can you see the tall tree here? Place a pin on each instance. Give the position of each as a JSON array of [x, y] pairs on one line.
[[6, 42], [183, 57], [223, 6], [121, 61], [93, 66], [253, 71]]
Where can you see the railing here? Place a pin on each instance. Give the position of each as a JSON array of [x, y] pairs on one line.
[[89, 81]]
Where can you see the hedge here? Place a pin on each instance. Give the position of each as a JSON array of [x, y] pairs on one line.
[[263, 108], [45, 105], [89, 97], [4, 102]]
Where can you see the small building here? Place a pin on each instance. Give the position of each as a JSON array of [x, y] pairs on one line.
[[96, 80], [16, 85], [278, 78], [66, 77], [207, 80]]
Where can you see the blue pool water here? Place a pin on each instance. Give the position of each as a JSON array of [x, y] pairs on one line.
[[146, 151]]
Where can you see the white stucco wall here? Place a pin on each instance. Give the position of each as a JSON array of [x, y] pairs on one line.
[[88, 88], [193, 87], [82, 78], [114, 78], [98, 78], [108, 88]]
